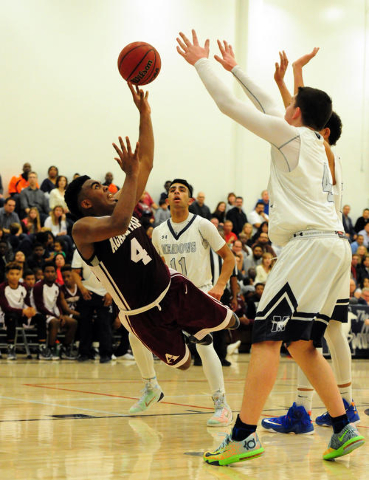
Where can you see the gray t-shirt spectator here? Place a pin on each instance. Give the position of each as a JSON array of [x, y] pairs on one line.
[[34, 198], [6, 218]]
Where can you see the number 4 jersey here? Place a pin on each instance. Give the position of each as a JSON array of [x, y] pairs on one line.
[[130, 269], [186, 247]]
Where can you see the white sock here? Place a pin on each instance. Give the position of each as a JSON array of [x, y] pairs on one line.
[[304, 397], [212, 367], [144, 360], [346, 393]]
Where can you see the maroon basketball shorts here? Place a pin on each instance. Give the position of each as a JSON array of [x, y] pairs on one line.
[[184, 307]]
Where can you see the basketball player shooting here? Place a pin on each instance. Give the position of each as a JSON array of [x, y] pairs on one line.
[[155, 304], [310, 278]]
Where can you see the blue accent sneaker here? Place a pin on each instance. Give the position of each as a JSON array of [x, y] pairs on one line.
[[351, 411], [296, 421]]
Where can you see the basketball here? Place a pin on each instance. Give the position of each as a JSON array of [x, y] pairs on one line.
[[139, 63]]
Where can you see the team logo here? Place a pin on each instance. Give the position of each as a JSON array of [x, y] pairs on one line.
[[279, 323], [250, 444], [170, 358]]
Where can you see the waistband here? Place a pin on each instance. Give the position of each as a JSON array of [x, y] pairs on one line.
[[319, 233], [151, 305]]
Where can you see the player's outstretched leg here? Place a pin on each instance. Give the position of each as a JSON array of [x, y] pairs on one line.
[[152, 392]]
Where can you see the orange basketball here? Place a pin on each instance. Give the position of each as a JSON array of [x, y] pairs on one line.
[[139, 63]]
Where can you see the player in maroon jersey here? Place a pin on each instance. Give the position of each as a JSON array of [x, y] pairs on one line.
[[155, 304]]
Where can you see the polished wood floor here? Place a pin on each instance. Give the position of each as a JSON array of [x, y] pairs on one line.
[[65, 420]]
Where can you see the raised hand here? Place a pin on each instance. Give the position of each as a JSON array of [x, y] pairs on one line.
[[128, 161], [192, 52], [302, 61], [228, 60], [140, 98], [280, 69]]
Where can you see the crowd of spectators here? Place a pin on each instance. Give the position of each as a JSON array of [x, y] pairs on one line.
[[36, 248]]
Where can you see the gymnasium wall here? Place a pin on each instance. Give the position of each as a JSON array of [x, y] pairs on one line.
[[63, 101]]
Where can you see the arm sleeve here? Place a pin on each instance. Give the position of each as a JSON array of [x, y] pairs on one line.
[[273, 129], [258, 97], [209, 233]]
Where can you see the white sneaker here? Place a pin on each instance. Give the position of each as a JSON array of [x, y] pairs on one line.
[[223, 414], [150, 396], [233, 347], [127, 356]]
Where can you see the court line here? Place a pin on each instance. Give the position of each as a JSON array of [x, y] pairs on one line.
[[114, 396]]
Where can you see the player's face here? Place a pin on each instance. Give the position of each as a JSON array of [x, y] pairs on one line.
[[178, 196], [68, 278], [13, 277], [50, 274], [98, 198], [30, 281]]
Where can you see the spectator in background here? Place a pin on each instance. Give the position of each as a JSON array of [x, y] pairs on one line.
[[57, 224], [162, 213], [50, 182], [57, 195], [357, 243], [252, 302], [220, 212], [255, 259], [363, 271], [265, 200], [164, 195], [1, 193], [32, 223], [18, 183], [355, 261], [229, 235], [347, 223], [37, 259], [8, 215], [146, 198], [264, 242], [263, 270], [231, 199], [6, 255], [59, 262], [237, 216], [109, 183], [263, 228], [144, 212], [361, 252], [215, 222], [365, 295], [362, 221], [365, 234], [76, 175], [199, 208], [32, 196], [247, 231], [258, 216]]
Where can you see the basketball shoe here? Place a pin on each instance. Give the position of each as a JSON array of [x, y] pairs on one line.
[[351, 412], [230, 451], [344, 442], [150, 395], [223, 413], [296, 421]]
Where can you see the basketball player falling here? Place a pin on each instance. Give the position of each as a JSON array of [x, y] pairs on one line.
[[311, 276], [156, 304]]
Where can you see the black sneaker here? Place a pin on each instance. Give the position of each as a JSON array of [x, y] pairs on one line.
[[66, 353], [105, 359], [44, 353]]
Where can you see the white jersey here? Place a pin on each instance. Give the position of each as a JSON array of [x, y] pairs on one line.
[[304, 199], [186, 247]]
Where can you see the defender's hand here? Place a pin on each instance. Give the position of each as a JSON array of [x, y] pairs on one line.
[[302, 61], [228, 60], [192, 52], [280, 69]]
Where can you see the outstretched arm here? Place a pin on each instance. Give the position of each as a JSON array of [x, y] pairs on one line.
[[280, 71], [258, 97], [88, 230], [272, 129], [298, 66]]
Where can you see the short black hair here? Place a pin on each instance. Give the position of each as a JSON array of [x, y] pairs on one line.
[[37, 244], [28, 272], [12, 266], [48, 264], [335, 126], [315, 106], [66, 268], [183, 182], [8, 200], [72, 193]]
